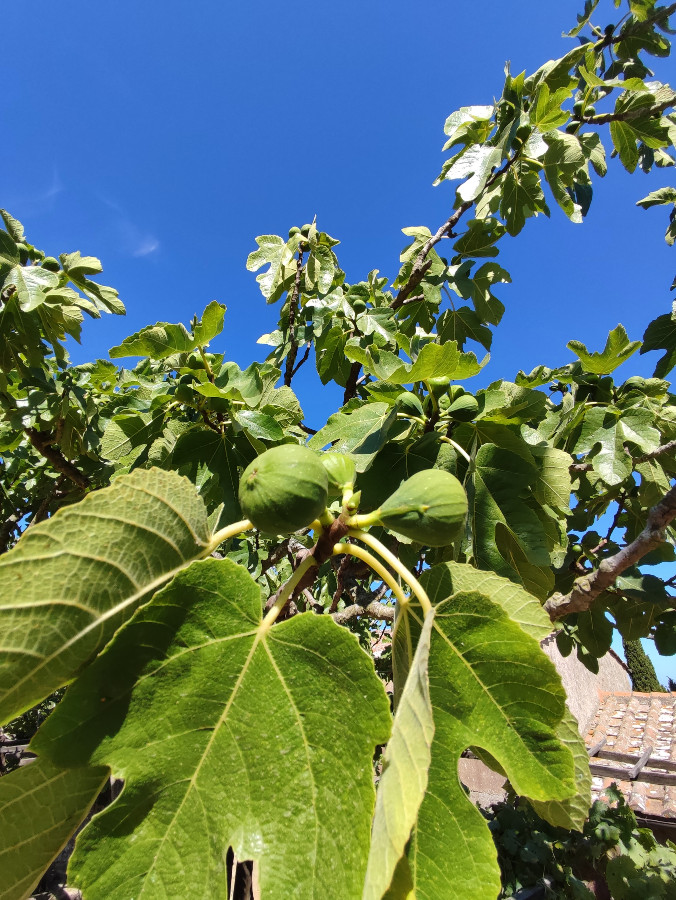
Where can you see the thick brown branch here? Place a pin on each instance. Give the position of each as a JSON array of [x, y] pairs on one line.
[[43, 443], [322, 551], [373, 610], [588, 587], [351, 383]]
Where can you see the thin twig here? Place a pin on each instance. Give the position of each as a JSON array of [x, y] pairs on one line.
[[629, 115], [304, 358], [293, 307]]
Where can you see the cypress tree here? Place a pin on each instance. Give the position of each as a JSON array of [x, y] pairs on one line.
[[641, 669]]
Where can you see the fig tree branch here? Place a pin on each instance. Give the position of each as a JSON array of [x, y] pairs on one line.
[[587, 587], [43, 442], [659, 451], [293, 308], [374, 610], [660, 14], [629, 115]]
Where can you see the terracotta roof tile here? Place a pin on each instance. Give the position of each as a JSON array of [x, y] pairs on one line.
[[630, 723]]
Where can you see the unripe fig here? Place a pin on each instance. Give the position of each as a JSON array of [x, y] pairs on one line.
[[184, 393], [284, 489], [305, 230], [294, 231], [464, 409], [429, 507], [438, 386], [409, 404], [444, 403], [572, 127], [578, 107], [51, 264], [340, 470], [358, 305], [590, 111], [455, 391]]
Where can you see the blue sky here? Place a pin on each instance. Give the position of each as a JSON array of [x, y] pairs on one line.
[[163, 137]]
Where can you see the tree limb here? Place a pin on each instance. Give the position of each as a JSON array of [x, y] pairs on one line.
[[43, 443], [659, 451], [373, 610], [629, 115], [588, 587]]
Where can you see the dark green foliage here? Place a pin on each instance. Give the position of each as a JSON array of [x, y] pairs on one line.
[[611, 851], [641, 669]]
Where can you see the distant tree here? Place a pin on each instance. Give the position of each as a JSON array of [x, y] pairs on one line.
[[641, 669]]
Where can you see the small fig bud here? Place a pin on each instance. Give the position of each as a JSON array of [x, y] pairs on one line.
[[340, 470]]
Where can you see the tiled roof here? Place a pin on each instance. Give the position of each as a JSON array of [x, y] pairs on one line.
[[631, 723]]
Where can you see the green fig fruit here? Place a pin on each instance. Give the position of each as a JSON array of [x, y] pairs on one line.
[[51, 264], [305, 230], [429, 507], [340, 470], [358, 305], [284, 489], [409, 404], [294, 231], [464, 409]]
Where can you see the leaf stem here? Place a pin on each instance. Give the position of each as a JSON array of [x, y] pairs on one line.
[[226, 533], [378, 567], [207, 367], [396, 564], [447, 440], [285, 592]]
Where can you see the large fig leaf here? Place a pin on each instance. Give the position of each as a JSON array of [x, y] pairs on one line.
[[227, 733], [508, 535], [164, 339], [40, 807], [573, 812], [404, 779], [71, 581], [491, 687], [447, 579], [450, 578]]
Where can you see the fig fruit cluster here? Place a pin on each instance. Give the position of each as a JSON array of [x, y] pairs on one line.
[[287, 488]]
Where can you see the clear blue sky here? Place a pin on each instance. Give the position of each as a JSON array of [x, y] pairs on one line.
[[163, 137]]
